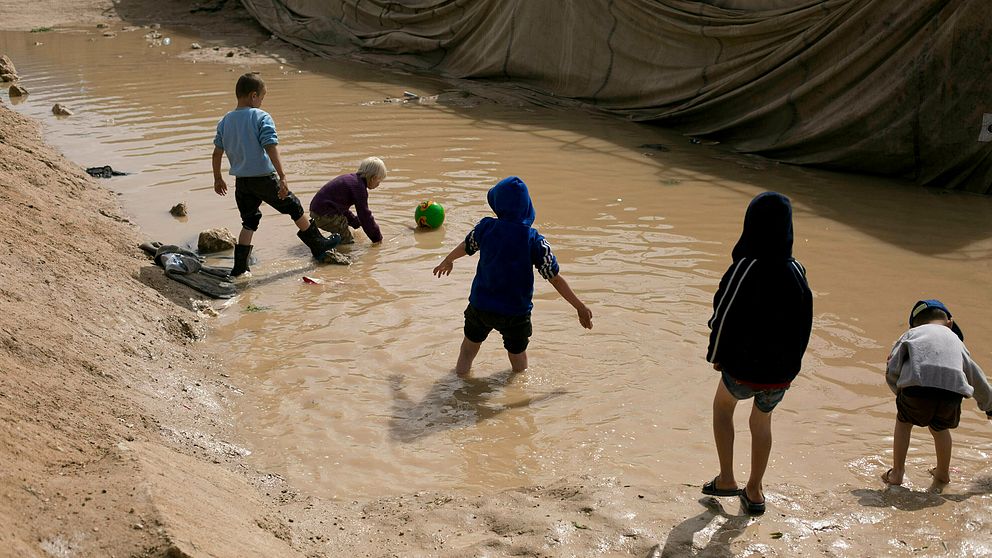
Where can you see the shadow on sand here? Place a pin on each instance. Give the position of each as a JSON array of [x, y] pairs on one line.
[[905, 499], [713, 522]]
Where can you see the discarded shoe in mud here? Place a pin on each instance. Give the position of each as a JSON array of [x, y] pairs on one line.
[[104, 172]]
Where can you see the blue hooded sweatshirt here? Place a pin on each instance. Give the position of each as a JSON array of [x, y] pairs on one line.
[[508, 247], [763, 310]]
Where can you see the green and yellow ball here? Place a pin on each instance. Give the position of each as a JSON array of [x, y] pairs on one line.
[[429, 214]]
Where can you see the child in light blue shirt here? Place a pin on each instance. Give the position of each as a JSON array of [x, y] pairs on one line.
[[248, 135]]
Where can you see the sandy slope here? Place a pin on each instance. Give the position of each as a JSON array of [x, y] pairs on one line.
[[111, 421], [99, 405]]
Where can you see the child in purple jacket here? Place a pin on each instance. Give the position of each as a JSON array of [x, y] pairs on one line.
[[331, 207]]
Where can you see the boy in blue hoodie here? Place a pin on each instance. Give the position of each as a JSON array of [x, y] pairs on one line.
[[504, 282], [762, 318]]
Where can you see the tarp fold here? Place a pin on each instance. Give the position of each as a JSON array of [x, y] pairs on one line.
[[891, 87]]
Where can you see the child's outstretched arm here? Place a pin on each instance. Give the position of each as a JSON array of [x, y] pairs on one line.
[[215, 160], [444, 268], [561, 285]]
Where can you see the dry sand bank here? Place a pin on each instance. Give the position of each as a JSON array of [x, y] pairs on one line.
[[112, 423]]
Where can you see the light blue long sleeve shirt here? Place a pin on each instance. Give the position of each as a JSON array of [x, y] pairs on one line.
[[243, 134]]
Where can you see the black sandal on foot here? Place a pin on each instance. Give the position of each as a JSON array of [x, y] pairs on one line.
[[751, 507], [710, 489]]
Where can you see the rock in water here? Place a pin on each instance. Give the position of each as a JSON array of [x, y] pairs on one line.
[[61, 110], [335, 257], [215, 240], [7, 66], [178, 210], [17, 91]]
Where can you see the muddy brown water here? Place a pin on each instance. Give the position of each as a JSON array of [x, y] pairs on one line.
[[348, 388]]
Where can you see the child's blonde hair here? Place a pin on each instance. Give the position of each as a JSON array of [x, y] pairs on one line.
[[373, 167]]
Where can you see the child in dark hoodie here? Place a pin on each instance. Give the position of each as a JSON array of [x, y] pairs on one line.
[[762, 317], [504, 282]]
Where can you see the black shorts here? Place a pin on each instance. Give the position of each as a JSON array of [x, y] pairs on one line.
[[516, 330], [925, 406], [251, 191]]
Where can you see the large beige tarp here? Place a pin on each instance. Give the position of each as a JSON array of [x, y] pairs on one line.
[[897, 87]]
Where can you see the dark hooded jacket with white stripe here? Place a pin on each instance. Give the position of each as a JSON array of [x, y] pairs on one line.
[[763, 310], [509, 247]]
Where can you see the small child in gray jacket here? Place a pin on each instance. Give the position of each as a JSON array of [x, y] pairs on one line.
[[931, 371]]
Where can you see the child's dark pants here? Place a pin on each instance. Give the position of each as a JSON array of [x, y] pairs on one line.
[[251, 191], [516, 330], [926, 406]]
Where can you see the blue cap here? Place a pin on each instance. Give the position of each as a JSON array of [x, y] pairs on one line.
[[922, 305]]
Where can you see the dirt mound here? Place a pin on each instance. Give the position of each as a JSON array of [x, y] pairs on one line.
[[102, 392]]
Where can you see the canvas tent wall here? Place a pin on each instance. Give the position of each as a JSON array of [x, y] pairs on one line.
[[894, 87]]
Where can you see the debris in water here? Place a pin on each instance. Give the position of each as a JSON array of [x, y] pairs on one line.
[[105, 171], [654, 146]]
